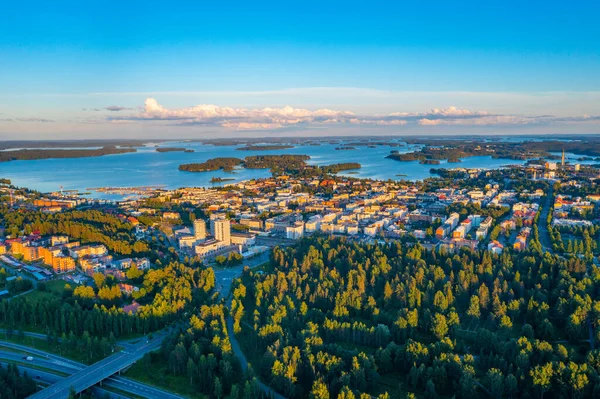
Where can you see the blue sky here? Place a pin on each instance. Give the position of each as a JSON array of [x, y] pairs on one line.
[[506, 67]]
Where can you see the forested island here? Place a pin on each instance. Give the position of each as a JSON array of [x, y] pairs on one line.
[[278, 164], [174, 149], [455, 149], [29, 155], [283, 162], [269, 147], [339, 167], [226, 164], [58, 144], [373, 144]]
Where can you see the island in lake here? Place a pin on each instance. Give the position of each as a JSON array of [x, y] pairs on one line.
[[226, 164], [251, 147], [33, 154], [74, 144], [174, 149], [278, 164]]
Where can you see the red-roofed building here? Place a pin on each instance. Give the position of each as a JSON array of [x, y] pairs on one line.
[[133, 308]]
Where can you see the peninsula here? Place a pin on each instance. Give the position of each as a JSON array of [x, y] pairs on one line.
[[29, 155]]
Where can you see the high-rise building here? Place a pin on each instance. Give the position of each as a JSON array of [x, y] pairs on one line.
[[223, 231], [213, 218], [200, 229]]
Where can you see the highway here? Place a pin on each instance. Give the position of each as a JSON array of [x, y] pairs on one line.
[[89, 376], [67, 366], [49, 379]]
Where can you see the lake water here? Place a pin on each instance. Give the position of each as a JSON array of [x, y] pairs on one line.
[[147, 167]]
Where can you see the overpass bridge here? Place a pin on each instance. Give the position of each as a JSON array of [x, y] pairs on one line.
[[99, 371]]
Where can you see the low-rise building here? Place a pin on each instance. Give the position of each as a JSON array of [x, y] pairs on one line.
[[244, 239], [295, 231], [254, 224], [88, 250]]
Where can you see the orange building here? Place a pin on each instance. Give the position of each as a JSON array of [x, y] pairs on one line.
[[54, 203], [29, 253], [63, 264], [54, 257], [48, 254]]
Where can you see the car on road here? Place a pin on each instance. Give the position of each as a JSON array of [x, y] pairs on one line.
[[29, 358]]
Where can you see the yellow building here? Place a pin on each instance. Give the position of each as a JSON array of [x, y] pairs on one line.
[[29, 253], [48, 254], [256, 224], [95, 250], [63, 264]]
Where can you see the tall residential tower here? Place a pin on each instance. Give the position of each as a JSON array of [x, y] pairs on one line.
[[223, 231], [200, 229]]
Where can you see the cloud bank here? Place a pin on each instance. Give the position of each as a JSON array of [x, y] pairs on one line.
[[287, 117]]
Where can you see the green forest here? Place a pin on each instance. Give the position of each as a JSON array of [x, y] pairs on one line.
[[14, 384], [336, 319], [90, 226]]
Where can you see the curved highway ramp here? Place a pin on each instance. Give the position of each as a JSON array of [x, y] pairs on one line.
[[99, 371]]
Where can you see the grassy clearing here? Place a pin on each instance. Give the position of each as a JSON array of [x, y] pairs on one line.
[[263, 266], [156, 375], [54, 289]]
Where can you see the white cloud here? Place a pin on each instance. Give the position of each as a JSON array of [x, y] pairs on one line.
[[230, 117], [454, 111], [271, 118]]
